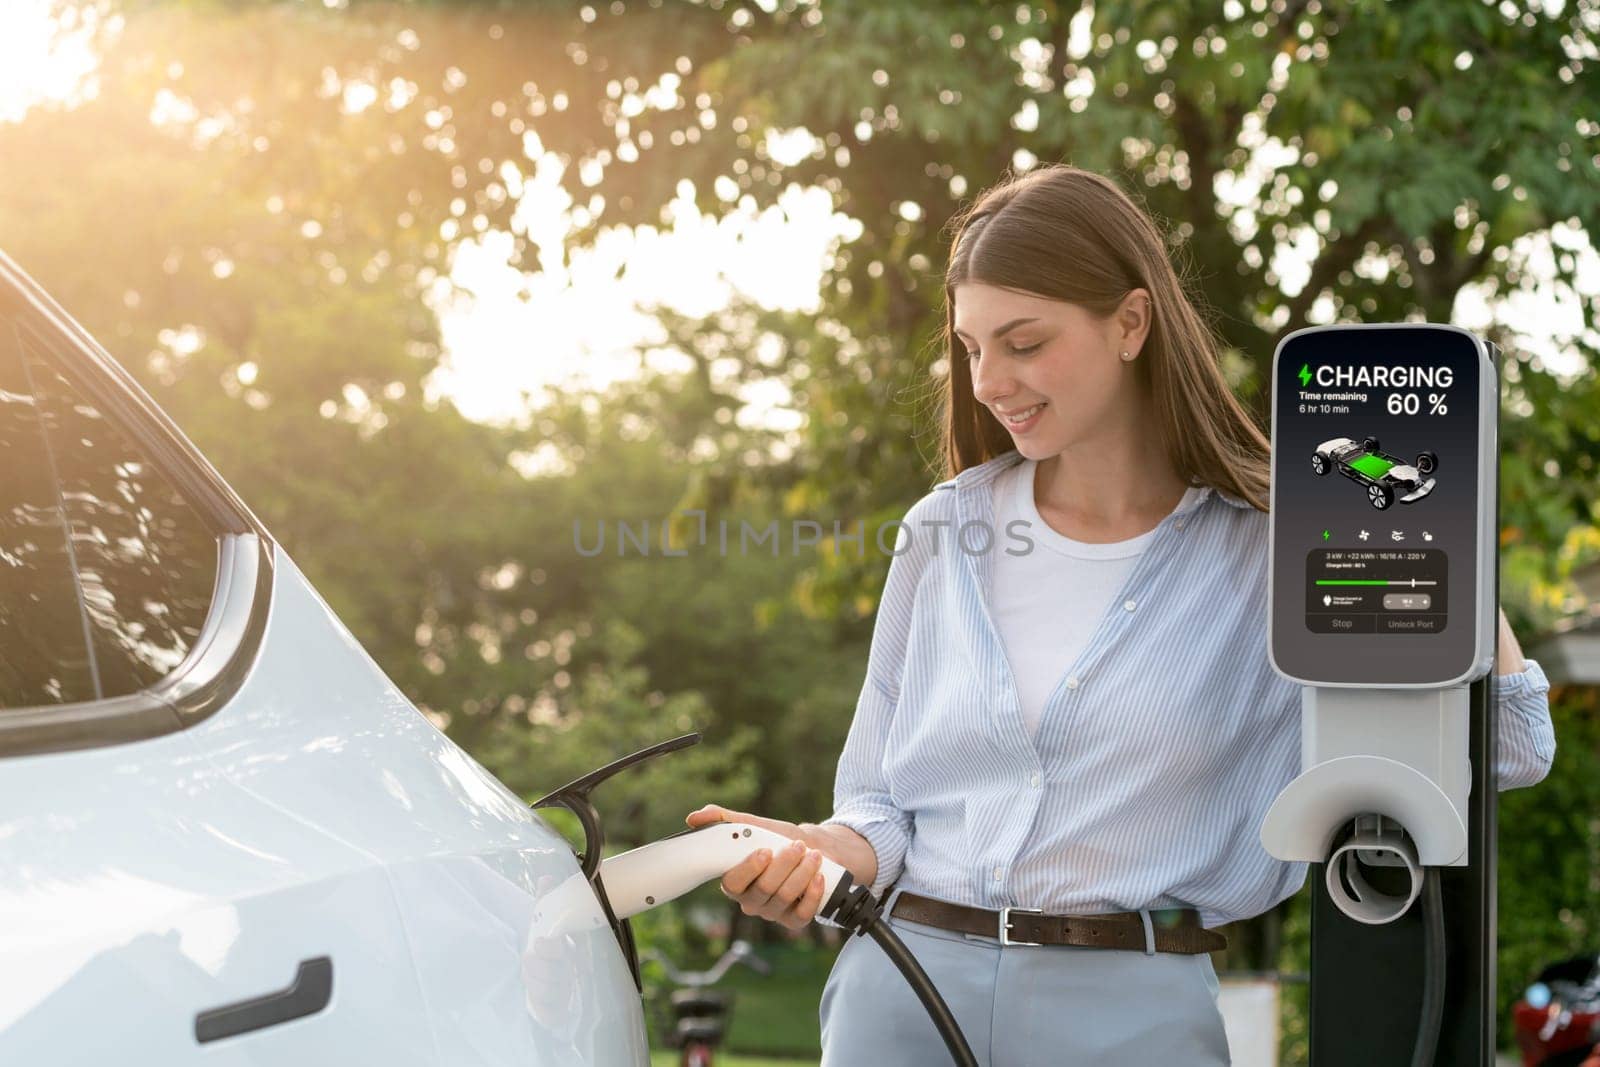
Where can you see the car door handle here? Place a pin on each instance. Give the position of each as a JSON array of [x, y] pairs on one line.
[[308, 994]]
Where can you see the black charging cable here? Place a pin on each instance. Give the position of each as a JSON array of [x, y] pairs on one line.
[[1433, 947], [858, 911]]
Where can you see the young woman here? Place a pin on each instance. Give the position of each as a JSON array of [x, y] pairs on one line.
[[1068, 706]]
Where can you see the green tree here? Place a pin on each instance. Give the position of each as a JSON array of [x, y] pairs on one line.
[[257, 236], [1401, 153], [1549, 887], [267, 249]]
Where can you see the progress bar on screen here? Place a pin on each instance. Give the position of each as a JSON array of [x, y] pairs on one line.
[[1408, 582]]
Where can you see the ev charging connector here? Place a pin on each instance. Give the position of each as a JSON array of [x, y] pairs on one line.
[[651, 875], [1382, 604], [666, 869]]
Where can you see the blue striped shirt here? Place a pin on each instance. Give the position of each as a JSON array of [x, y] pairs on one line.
[[1159, 750]]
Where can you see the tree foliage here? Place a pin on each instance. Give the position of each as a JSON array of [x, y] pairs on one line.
[[258, 210]]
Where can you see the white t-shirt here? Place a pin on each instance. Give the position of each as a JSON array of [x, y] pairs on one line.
[[1048, 601]]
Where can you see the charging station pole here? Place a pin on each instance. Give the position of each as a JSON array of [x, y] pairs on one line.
[[1383, 603], [1366, 981]]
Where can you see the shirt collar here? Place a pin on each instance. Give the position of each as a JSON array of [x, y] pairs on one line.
[[1229, 498], [984, 473]]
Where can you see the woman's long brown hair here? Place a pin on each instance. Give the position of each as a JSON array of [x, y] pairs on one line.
[[1069, 234]]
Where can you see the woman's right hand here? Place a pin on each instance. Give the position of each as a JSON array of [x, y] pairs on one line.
[[784, 887]]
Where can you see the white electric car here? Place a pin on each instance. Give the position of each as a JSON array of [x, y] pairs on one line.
[[225, 836]]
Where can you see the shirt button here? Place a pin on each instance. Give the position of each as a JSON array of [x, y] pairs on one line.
[[1179, 524], [1072, 683], [1035, 781], [998, 872], [1129, 605]]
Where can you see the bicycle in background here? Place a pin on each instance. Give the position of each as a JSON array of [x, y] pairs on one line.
[[700, 1014]]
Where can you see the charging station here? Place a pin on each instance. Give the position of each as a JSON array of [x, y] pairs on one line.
[[1383, 598]]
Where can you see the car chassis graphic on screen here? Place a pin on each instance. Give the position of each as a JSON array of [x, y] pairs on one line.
[[1386, 477]]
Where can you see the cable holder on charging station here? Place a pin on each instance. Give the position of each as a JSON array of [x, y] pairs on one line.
[[1377, 842]]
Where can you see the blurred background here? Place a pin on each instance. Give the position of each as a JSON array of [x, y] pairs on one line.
[[446, 289]]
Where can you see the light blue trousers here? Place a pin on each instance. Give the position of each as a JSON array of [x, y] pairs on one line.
[[1022, 1005]]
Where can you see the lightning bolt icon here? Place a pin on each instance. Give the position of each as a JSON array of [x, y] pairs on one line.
[[1305, 375]]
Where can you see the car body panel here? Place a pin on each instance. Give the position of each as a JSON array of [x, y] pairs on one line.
[[316, 814], [508, 955], [472, 866], [275, 800], [318, 730], [153, 889]]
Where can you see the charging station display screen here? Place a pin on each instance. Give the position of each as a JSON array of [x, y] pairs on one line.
[[1376, 479]]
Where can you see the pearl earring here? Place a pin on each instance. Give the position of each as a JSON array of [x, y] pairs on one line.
[[1126, 357]]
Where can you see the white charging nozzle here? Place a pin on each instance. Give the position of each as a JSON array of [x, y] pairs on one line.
[[665, 870]]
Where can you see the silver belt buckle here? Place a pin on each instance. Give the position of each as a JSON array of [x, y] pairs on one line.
[[1005, 926]]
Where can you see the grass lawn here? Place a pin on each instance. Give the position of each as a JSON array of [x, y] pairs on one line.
[[774, 1016]]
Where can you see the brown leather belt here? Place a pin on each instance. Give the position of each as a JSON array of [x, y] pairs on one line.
[[1174, 929]]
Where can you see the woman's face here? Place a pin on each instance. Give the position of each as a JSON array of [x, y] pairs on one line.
[[1050, 371]]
